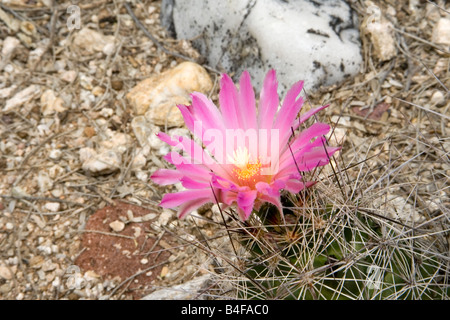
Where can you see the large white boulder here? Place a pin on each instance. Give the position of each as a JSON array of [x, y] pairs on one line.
[[314, 40]]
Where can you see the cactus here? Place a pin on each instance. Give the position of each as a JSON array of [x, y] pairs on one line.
[[331, 252]]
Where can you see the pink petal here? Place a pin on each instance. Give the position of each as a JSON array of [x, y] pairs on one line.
[[306, 116], [166, 176], [247, 102], [289, 155], [175, 158], [295, 186], [190, 206], [166, 138], [273, 200], [198, 172], [222, 183], [228, 99], [288, 112], [245, 201], [308, 161], [268, 101], [205, 111], [228, 197], [290, 105], [171, 200], [272, 190], [316, 130], [196, 154], [190, 183], [187, 116]]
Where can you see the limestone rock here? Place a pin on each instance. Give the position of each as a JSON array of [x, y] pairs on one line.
[[185, 291], [90, 41], [9, 45], [107, 157], [117, 225], [314, 40], [68, 76], [381, 34], [441, 32], [142, 129], [7, 92], [22, 97], [105, 162], [157, 97], [52, 206], [50, 103], [6, 273]]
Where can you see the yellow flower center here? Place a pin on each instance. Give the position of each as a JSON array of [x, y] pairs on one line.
[[245, 167], [249, 171]]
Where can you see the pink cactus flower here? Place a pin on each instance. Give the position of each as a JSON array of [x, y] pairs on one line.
[[246, 155]]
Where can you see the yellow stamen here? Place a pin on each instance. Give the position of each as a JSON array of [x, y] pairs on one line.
[[248, 171], [245, 169]]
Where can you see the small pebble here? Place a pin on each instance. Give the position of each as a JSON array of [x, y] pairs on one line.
[[164, 271], [437, 99], [117, 225], [52, 206]]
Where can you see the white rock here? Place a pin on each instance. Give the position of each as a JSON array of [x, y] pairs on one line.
[[106, 112], [52, 206], [22, 97], [139, 161], [55, 154], [57, 192], [438, 98], [109, 48], [86, 154], [50, 103], [6, 273], [117, 225], [381, 34], [60, 65], [86, 81], [68, 76], [91, 41], [17, 191], [165, 217], [56, 283], [155, 142], [43, 129], [141, 175], [55, 171], [106, 162], [36, 54], [317, 41], [116, 141], [9, 45], [48, 265], [185, 291], [142, 130], [107, 158], [158, 96], [149, 216], [441, 32], [45, 183], [6, 92]]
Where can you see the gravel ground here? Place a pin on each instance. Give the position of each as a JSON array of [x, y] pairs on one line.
[[59, 95]]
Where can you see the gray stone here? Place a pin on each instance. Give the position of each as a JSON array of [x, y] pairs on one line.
[[185, 291], [314, 40]]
